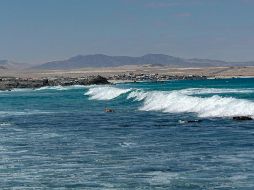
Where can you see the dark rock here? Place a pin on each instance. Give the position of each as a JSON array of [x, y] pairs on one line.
[[45, 81], [109, 110], [242, 118], [97, 80]]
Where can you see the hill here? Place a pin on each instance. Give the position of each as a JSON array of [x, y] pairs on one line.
[[101, 60], [11, 65]]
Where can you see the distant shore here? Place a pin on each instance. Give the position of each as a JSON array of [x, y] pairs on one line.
[[209, 72], [10, 79]]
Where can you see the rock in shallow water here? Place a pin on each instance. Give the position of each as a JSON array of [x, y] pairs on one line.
[[108, 110]]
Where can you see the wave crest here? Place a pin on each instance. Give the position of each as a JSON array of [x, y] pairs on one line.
[[181, 101], [105, 92], [176, 102]]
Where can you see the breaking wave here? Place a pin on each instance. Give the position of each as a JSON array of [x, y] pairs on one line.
[[182, 101], [176, 102], [105, 92]]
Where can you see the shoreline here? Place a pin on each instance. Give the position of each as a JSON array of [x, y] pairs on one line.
[[10, 79], [137, 70], [12, 83], [207, 78]]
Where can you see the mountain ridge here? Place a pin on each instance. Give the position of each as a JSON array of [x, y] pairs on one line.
[[102, 60]]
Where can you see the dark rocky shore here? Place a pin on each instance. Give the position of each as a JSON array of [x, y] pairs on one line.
[[154, 77], [9, 83]]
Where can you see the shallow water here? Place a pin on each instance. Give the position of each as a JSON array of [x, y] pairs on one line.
[[61, 138]]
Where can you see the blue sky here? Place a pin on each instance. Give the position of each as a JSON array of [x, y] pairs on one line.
[[37, 31]]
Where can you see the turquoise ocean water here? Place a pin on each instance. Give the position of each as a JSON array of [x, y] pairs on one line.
[[60, 137]]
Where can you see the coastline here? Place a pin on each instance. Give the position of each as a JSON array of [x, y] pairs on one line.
[[10, 79], [208, 78], [111, 71], [18, 83], [10, 83]]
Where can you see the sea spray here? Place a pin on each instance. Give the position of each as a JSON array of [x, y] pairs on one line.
[[176, 102], [182, 101], [105, 92]]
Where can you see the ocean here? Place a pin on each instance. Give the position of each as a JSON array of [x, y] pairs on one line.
[[61, 138]]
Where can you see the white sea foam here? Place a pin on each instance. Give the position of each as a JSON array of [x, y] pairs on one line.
[[127, 144], [20, 90], [193, 91], [20, 113], [5, 124], [161, 178], [17, 90], [177, 102], [180, 101], [105, 92], [60, 87]]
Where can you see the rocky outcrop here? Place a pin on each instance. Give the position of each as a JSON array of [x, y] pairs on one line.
[[108, 110], [95, 80], [8, 83]]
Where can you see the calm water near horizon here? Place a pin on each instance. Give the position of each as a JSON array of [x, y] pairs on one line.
[[60, 137]]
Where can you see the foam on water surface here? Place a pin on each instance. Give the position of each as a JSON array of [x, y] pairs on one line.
[[175, 102], [58, 88], [5, 124], [61, 88], [64, 140], [105, 92], [180, 101], [195, 91], [21, 113]]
